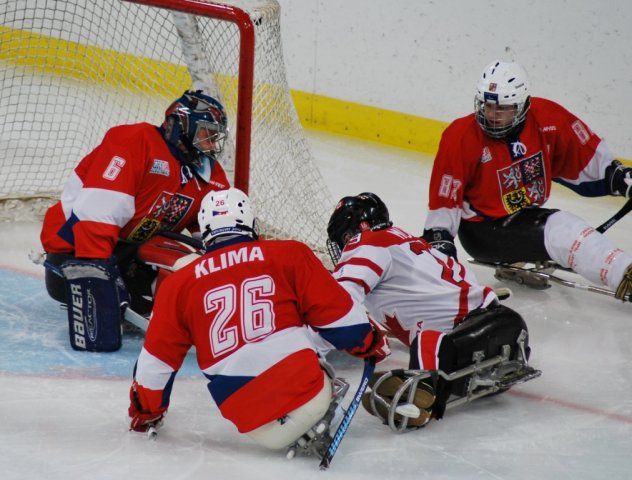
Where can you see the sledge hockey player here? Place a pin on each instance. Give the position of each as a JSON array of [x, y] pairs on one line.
[[246, 306], [140, 180], [430, 302], [493, 173]]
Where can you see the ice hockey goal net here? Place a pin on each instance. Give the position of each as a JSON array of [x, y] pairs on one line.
[[69, 70]]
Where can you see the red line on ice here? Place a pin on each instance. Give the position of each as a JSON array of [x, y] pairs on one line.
[[572, 406]]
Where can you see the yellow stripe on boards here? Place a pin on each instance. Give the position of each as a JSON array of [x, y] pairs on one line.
[[92, 64], [369, 123], [131, 73]]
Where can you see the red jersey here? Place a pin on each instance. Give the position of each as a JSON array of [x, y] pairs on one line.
[[246, 307], [476, 176], [128, 187]]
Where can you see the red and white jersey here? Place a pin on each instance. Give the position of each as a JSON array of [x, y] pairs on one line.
[[128, 187], [476, 176], [246, 307], [406, 285]]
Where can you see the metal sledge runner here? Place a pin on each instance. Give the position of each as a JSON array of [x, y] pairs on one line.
[[401, 407]]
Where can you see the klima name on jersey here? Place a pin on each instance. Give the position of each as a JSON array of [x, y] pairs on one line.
[[160, 167], [228, 259]]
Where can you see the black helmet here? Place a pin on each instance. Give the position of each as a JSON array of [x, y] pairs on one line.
[[352, 215]]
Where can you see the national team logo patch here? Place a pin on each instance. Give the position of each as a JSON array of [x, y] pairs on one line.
[[166, 212], [523, 183], [160, 167]]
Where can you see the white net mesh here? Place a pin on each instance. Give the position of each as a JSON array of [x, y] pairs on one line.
[[69, 70]]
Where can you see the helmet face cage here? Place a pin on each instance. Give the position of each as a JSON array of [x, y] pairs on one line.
[[196, 124], [502, 87], [353, 215]]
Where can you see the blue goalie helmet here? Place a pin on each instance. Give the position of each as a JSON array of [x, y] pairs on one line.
[[196, 125]]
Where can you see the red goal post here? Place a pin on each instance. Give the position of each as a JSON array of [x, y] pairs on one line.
[[246, 70]]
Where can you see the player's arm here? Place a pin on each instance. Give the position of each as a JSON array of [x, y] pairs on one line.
[[361, 268], [105, 184], [332, 312], [445, 194], [583, 162], [166, 345]]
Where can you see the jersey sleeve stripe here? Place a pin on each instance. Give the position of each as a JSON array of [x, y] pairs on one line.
[[446, 218], [365, 274], [595, 169], [104, 206], [151, 372], [365, 262], [357, 281], [69, 195], [345, 337]]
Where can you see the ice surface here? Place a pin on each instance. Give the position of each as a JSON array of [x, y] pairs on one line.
[[63, 413]]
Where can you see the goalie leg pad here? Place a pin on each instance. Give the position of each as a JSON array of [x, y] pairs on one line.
[[96, 298]]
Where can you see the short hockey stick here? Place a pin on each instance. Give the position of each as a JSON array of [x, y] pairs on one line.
[[616, 217], [369, 367]]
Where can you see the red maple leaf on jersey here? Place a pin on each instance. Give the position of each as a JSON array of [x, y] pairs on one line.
[[394, 327]]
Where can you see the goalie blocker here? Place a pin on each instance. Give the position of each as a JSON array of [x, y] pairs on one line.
[[97, 298]]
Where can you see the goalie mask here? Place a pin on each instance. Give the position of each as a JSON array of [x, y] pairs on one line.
[[353, 215], [226, 213], [196, 125], [502, 98]]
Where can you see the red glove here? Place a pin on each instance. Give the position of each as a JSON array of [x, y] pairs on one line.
[[142, 419], [375, 345]]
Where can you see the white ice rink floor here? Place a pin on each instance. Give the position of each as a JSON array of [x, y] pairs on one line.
[[63, 414]]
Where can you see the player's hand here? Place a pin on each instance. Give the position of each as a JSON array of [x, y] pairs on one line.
[[441, 240], [375, 345], [142, 419], [141, 422], [620, 179]]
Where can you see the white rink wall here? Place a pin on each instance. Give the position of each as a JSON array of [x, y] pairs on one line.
[[423, 57]]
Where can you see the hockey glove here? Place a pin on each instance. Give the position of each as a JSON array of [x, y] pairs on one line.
[[142, 419], [375, 345], [619, 179], [440, 239]]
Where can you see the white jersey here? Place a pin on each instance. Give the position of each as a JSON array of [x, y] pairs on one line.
[[407, 285]]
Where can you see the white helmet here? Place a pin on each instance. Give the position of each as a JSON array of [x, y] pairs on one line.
[[502, 83], [226, 212]]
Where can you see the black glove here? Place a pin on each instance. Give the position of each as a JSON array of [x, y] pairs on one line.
[[441, 240], [619, 179]]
